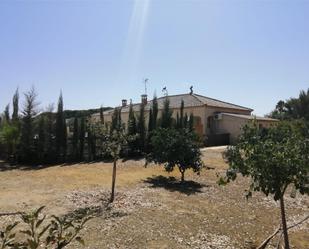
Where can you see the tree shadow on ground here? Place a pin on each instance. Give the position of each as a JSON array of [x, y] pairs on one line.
[[5, 166], [172, 184]]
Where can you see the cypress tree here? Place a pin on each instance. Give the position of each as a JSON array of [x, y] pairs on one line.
[[191, 122], [132, 130], [41, 140], [155, 110], [82, 139], [141, 127], [181, 121], [131, 121], [116, 120], [185, 121], [166, 120], [15, 106], [60, 130], [50, 135], [75, 154], [150, 121], [7, 113], [178, 123], [27, 149], [101, 115]]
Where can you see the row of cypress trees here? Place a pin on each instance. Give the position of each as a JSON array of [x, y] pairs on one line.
[[29, 136], [137, 124]]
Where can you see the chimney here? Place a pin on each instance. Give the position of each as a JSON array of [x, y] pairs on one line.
[[124, 102], [144, 99]]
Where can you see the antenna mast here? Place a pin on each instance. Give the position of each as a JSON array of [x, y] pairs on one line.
[[145, 82]]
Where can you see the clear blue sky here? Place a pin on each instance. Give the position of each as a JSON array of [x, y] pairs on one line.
[[251, 53]]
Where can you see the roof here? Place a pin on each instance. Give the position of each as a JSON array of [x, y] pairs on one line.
[[250, 117], [190, 100]]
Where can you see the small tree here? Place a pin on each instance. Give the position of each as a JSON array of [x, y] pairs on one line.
[[176, 148], [274, 159], [114, 143]]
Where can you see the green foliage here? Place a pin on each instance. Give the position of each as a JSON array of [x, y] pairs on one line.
[[293, 108], [40, 232], [29, 112], [101, 115], [166, 119], [75, 138], [15, 106], [141, 129], [82, 139], [176, 148], [61, 139], [116, 120], [7, 113], [273, 158], [133, 148], [7, 236], [155, 110]]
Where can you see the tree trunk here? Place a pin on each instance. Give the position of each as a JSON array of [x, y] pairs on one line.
[[113, 181], [182, 175], [284, 226]]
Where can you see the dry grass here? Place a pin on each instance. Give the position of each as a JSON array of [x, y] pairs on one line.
[[151, 211]]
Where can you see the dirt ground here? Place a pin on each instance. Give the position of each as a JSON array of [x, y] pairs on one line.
[[151, 209]]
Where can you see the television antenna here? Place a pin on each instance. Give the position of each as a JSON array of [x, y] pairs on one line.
[[145, 81]]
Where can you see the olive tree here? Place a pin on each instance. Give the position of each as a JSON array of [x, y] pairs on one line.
[[176, 148], [274, 159]]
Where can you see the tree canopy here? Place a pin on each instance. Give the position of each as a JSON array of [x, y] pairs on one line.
[[274, 158], [176, 148]]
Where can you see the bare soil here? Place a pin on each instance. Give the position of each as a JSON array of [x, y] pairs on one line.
[[152, 209]]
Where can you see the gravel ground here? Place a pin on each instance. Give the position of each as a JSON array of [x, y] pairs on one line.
[[153, 210]]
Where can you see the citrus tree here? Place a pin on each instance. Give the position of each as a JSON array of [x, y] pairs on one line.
[[274, 159], [176, 148]]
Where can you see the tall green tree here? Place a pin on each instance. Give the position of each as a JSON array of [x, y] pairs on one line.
[[116, 120], [101, 115], [274, 159], [75, 138], [191, 122], [41, 140], [7, 113], [166, 119], [181, 119], [15, 106], [293, 108], [132, 131], [29, 112], [131, 121], [155, 111], [82, 139], [61, 140], [141, 129], [50, 134]]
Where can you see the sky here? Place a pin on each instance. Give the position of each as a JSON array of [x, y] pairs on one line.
[[251, 53]]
